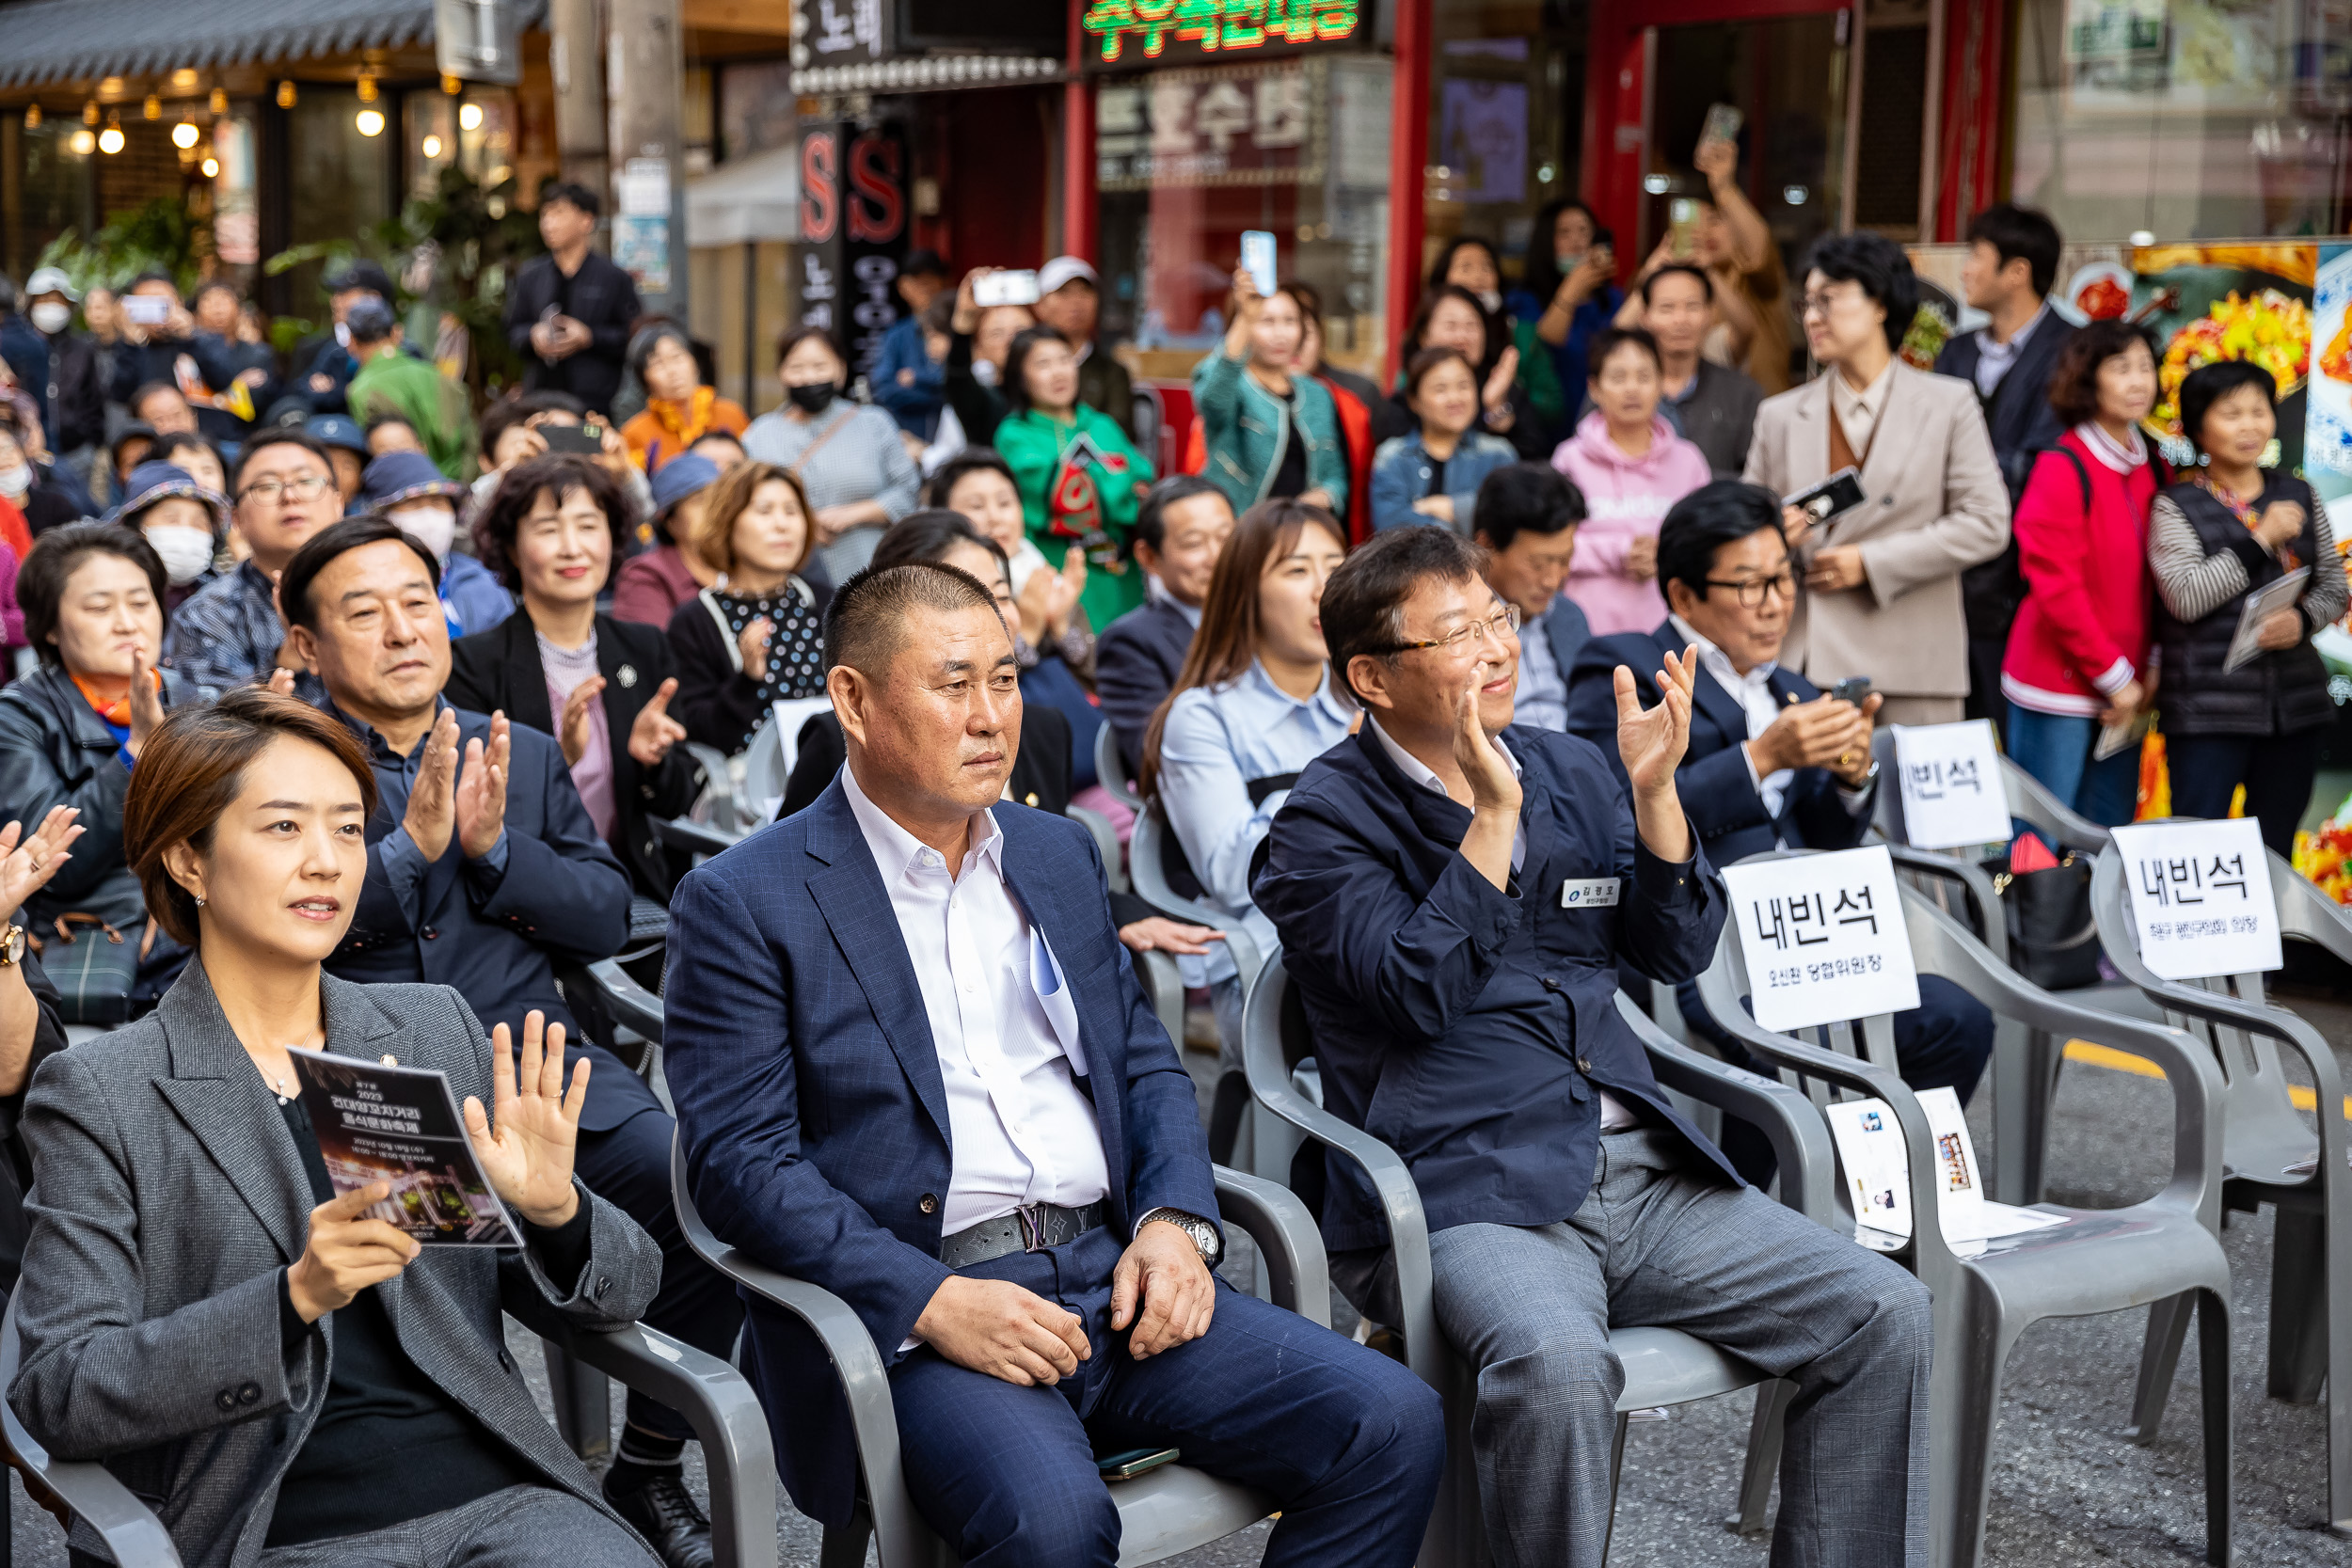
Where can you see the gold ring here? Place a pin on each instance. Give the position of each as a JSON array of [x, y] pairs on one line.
[[1845, 759]]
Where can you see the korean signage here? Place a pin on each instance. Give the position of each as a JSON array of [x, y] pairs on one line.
[[1823, 938], [1952, 791], [1127, 34], [1251, 125], [853, 234], [840, 32], [2201, 898]]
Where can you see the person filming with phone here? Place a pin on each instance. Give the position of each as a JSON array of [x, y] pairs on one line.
[[568, 313], [1774, 761], [1270, 436]]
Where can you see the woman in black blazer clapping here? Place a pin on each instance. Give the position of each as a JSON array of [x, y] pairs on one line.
[[552, 532]]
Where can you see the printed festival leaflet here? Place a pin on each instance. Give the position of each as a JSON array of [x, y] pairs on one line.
[[400, 1125]]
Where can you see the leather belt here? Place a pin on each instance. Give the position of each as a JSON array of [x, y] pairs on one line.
[[1030, 1229]]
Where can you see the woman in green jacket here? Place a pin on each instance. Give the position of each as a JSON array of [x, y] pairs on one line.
[[1268, 435], [1080, 478]]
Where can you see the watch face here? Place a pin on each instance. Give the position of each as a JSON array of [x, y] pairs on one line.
[[12, 946]]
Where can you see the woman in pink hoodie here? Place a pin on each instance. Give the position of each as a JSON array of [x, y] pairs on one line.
[[1632, 466]]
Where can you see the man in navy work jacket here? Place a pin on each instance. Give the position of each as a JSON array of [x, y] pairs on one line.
[[1454, 893], [913, 1066], [1773, 762], [487, 877]]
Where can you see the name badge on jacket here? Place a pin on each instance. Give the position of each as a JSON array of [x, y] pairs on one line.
[[1600, 894]]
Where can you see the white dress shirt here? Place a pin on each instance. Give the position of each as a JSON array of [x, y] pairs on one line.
[[1020, 1128], [1858, 412], [1614, 1117], [1753, 692]]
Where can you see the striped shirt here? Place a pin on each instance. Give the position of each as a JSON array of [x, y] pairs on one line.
[[2193, 584], [228, 635]]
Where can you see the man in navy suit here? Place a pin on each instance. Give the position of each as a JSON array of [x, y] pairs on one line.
[[1527, 517], [1180, 531], [490, 877], [1773, 762], [1455, 894], [913, 1065]]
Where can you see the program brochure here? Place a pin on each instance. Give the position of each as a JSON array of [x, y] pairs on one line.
[[377, 1122]]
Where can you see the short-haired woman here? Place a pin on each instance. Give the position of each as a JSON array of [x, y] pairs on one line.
[[1433, 475], [756, 636], [1080, 478], [165, 1333], [650, 585], [1270, 435], [1253, 705], [680, 409], [71, 733], [2230, 528], [845, 457], [1631, 468], [2078, 652], [600, 686]]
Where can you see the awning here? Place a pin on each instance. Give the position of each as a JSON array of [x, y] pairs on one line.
[[52, 41], [746, 201]]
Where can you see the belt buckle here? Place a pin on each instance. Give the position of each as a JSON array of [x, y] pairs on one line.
[[1032, 1221]]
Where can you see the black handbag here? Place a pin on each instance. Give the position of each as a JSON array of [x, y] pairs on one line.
[[2053, 934]]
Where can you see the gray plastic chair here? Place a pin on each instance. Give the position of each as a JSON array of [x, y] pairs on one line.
[[1662, 1366], [1163, 1512], [2102, 1260], [2269, 1155], [1110, 767], [1105, 843], [712, 1396]]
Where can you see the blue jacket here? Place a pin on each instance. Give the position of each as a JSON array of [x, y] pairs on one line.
[[498, 937], [1137, 661], [1465, 1028], [1724, 809], [810, 1104], [1245, 428], [915, 408], [1401, 470], [472, 598]]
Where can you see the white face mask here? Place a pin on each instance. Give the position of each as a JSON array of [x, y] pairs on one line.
[[343, 336], [50, 316], [17, 480], [1491, 299], [434, 527], [985, 372], [185, 551]]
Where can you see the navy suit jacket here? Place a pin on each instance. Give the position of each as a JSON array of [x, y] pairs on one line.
[[2019, 416], [810, 1101], [1467, 1027], [563, 901], [1136, 663], [1725, 810]]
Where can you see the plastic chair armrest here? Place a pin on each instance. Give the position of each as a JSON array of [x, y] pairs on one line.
[[631, 1005], [1105, 843], [725, 1414], [691, 838], [2042, 810], [1973, 880], [1809, 1171], [89, 1491], [1290, 1247]]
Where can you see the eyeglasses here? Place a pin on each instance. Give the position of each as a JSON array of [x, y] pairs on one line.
[[274, 491], [1822, 304], [1752, 590], [1503, 625]]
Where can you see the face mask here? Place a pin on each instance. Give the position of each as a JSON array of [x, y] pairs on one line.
[[17, 480], [1491, 299], [1568, 261], [343, 336], [985, 372], [185, 551], [50, 316], [434, 527], [813, 399]]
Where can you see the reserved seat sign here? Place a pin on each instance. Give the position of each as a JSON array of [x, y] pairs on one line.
[[1954, 796], [1823, 938], [2201, 898]]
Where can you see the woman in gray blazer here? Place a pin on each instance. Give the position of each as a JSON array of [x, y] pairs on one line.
[[285, 1380]]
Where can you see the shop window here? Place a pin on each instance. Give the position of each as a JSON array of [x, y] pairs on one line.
[[339, 183], [1187, 158], [1506, 118], [1887, 150], [756, 109], [475, 133], [2185, 118], [49, 190]]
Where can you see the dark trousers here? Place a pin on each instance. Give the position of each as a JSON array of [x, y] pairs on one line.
[[1942, 1043], [629, 1168], [1348, 1442], [2276, 769], [1986, 698]]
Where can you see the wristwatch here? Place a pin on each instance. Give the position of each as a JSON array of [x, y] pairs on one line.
[[1203, 1234], [12, 947]]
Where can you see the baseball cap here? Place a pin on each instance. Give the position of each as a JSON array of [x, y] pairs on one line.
[[51, 280], [335, 429], [1063, 270], [404, 476]]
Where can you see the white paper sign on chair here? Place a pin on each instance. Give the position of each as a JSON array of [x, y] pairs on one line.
[[2201, 898], [1953, 793], [1823, 938]]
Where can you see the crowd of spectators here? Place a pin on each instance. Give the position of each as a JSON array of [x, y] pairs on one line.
[[1547, 608]]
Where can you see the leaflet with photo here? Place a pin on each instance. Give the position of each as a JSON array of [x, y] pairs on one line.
[[400, 1126], [2246, 643], [1877, 1178]]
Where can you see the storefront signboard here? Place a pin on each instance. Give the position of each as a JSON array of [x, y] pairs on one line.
[[1123, 35], [840, 32], [853, 234], [1231, 125]]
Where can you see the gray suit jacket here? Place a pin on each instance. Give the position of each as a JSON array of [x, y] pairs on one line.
[[1933, 505], [167, 1194]]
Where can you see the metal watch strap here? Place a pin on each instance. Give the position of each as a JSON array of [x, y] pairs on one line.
[[1203, 1234]]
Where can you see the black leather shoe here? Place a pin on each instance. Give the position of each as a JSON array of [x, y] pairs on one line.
[[665, 1514]]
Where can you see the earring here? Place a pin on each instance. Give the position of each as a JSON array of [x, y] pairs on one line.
[[199, 900]]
